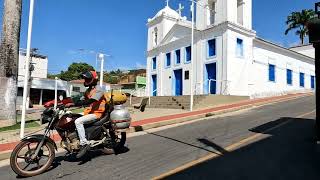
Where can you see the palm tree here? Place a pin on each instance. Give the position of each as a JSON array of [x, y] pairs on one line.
[[9, 54], [298, 21]]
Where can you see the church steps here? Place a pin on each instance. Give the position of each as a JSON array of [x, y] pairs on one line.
[[183, 102]]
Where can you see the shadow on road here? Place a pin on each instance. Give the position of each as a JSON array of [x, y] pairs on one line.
[[288, 152], [199, 147], [88, 157]]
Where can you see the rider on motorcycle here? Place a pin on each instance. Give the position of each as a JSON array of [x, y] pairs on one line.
[[94, 97]]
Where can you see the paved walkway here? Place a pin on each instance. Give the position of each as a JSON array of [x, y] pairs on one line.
[[8, 140], [268, 142]]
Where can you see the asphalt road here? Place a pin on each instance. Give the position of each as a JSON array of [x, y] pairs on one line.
[[286, 152]]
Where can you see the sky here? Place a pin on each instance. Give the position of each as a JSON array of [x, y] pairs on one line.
[[74, 30]]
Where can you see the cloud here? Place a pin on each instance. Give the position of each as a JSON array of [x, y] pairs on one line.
[[72, 52], [140, 66]]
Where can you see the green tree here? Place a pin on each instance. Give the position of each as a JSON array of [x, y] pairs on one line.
[[109, 78], [74, 71], [9, 54], [298, 21]]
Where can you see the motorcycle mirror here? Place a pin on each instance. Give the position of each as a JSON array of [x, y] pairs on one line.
[[60, 97]]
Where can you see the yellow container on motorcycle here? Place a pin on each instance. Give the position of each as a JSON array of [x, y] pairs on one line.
[[118, 97]]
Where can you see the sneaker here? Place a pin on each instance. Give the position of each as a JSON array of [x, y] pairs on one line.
[[83, 150]]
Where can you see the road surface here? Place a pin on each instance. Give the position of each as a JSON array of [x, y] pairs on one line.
[[278, 144]]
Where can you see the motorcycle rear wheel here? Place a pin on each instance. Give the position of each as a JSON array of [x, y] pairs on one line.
[[118, 142], [26, 157]]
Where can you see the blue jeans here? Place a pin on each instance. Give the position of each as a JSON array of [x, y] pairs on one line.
[[80, 127]]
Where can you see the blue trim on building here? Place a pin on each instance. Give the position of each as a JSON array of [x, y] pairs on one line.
[[312, 81], [211, 48], [289, 77], [188, 54], [154, 63], [272, 73], [168, 60], [239, 48], [177, 55], [301, 78]]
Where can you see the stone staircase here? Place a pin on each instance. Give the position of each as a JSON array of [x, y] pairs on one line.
[[183, 102]]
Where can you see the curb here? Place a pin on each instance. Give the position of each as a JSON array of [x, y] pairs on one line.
[[210, 114], [201, 116], [5, 155]]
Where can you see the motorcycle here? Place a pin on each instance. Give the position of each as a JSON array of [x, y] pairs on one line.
[[35, 153]]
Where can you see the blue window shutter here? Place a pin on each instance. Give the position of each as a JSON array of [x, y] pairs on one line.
[[271, 72], [178, 56], [289, 76], [154, 63], [188, 53], [312, 82], [168, 59], [211, 47], [302, 79], [239, 50]]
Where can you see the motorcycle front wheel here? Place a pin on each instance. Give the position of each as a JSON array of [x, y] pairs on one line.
[[24, 165]]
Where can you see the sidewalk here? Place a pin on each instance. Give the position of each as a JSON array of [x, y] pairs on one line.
[[153, 118]]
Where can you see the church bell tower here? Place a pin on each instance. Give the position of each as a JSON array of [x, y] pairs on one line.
[[214, 12]]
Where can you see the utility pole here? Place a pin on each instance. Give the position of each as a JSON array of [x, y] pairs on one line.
[[33, 51], [192, 55], [314, 38], [26, 73]]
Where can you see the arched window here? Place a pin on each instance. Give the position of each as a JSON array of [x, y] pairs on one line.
[[240, 9], [211, 12], [155, 36]]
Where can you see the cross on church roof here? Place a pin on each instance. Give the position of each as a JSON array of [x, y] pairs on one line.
[[167, 2], [180, 9]]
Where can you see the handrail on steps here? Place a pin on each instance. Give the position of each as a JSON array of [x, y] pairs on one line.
[[134, 91]]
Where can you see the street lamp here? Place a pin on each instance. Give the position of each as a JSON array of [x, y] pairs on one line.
[[192, 55], [314, 38], [101, 56], [26, 73]]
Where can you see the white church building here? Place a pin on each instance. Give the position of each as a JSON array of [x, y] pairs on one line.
[[228, 57]]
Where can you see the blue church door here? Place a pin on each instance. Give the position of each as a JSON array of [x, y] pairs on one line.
[[154, 85], [178, 82], [211, 75]]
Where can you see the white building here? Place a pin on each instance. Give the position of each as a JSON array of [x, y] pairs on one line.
[[307, 50], [39, 62], [41, 88], [228, 57]]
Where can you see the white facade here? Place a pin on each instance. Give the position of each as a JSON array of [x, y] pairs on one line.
[[226, 53], [307, 50], [39, 62]]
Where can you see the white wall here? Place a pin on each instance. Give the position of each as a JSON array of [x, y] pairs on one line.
[[165, 74], [238, 67], [282, 59], [307, 50], [163, 24], [40, 67], [226, 10], [247, 75]]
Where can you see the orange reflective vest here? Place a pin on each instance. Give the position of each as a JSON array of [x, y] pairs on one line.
[[97, 107]]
